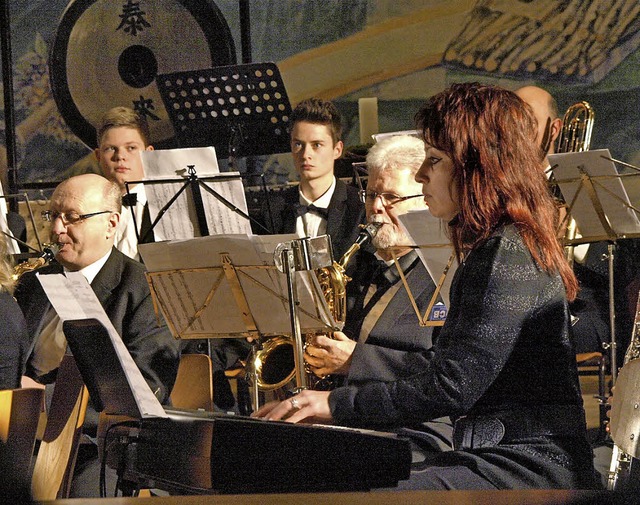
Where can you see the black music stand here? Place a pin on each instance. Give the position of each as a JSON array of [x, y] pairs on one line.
[[243, 110]]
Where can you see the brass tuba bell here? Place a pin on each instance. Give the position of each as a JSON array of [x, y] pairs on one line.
[[577, 125]]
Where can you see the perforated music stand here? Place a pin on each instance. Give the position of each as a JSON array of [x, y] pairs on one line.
[[242, 110]]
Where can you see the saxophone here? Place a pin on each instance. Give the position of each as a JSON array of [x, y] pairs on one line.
[[620, 467], [273, 365], [49, 252]]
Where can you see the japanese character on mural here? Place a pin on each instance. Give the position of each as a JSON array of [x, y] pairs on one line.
[[144, 106], [132, 18]]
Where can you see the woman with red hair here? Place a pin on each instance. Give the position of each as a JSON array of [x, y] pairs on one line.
[[504, 363]]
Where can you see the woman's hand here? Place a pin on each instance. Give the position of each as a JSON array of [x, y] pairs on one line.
[[328, 356], [308, 406]]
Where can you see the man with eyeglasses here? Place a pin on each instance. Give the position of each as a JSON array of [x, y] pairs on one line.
[[382, 339], [84, 215]]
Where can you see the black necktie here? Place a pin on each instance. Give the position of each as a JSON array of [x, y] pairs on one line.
[[301, 210]]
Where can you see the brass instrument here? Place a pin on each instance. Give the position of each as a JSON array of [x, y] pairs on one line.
[[273, 365], [621, 461], [577, 125], [49, 252], [575, 137]]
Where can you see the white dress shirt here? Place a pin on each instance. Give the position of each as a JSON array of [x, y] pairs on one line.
[[311, 224]]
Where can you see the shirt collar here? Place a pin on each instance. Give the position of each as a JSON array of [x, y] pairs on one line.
[[90, 271], [322, 202]]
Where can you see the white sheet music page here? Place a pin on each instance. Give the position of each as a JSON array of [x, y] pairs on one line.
[[180, 219], [435, 249], [73, 298], [610, 192]]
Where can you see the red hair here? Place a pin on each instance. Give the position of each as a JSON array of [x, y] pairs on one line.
[[489, 133]]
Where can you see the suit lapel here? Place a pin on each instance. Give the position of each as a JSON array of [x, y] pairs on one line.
[[108, 277]]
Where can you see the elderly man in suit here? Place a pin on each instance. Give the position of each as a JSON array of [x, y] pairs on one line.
[[84, 215], [382, 339]]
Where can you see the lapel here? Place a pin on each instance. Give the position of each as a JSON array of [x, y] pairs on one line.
[[337, 207], [108, 277]]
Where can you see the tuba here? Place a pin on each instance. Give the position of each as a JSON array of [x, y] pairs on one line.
[[49, 252], [272, 365], [575, 137]]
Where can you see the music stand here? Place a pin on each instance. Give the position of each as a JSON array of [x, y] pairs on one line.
[[194, 184], [599, 204], [436, 253], [229, 286], [243, 110]]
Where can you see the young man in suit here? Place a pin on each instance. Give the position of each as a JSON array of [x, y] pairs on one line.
[[122, 135], [320, 204]]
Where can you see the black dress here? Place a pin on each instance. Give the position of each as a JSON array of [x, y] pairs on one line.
[[504, 369]]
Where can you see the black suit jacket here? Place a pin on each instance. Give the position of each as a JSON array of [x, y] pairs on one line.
[[124, 293], [346, 212], [397, 346]]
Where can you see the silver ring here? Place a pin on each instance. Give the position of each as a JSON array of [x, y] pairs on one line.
[[294, 403]]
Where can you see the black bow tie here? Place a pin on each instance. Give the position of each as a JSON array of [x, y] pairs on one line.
[[130, 199], [301, 210]]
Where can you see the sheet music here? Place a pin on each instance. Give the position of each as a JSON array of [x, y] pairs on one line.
[[189, 281], [180, 220], [609, 189], [435, 249], [73, 298]]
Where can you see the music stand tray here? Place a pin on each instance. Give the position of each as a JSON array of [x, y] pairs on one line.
[[240, 109]]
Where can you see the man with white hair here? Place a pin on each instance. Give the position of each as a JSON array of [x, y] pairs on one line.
[[382, 339]]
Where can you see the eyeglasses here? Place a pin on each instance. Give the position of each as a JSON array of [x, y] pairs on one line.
[[388, 199], [68, 218]]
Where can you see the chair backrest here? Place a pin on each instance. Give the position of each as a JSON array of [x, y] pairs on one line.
[[56, 457], [194, 384], [19, 414]]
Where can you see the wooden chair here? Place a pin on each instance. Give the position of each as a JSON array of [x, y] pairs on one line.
[[194, 384], [56, 457], [19, 414]]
